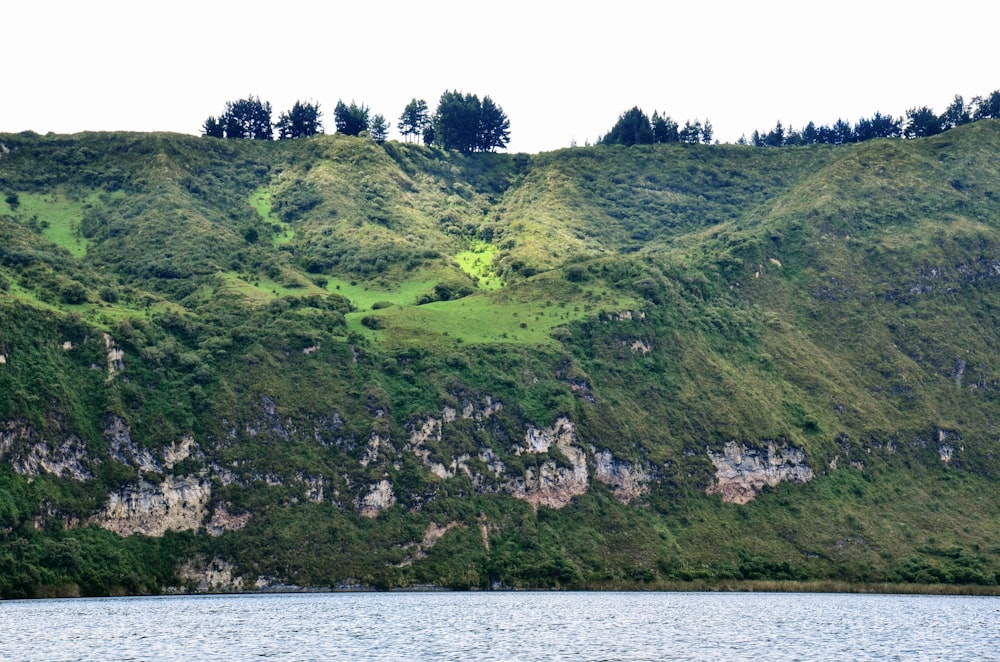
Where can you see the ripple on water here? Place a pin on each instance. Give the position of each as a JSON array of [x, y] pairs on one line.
[[502, 626]]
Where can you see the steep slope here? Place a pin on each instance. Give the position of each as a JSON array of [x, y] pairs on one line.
[[327, 362]]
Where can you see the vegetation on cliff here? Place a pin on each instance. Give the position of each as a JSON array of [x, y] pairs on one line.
[[330, 362]]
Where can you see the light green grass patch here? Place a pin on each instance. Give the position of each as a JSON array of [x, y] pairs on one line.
[[477, 262], [260, 200], [58, 217], [486, 318], [363, 298], [262, 289], [100, 313]]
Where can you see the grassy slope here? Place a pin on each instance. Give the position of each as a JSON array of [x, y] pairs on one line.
[[839, 299]]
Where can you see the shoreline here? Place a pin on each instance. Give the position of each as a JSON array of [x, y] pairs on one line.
[[733, 586]]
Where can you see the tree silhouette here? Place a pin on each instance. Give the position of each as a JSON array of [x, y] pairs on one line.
[[413, 121], [248, 118], [465, 123], [350, 120], [301, 121]]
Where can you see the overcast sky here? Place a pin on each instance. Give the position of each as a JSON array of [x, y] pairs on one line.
[[562, 72]]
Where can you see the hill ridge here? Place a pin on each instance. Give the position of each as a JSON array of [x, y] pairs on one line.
[[306, 359]]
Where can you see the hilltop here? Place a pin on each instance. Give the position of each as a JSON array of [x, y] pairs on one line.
[[326, 362]]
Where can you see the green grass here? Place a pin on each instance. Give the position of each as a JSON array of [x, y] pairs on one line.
[[524, 316], [839, 299], [260, 200], [477, 262], [58, 217], [405, 293], [102, 314], [261, 289]]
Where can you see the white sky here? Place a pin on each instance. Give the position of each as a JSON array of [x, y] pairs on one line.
[[561, 71]]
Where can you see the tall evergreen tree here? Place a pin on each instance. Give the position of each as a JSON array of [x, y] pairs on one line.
[[248, 118], [707, 132], [494, 127], [456, 121], [632, 128], [843, 133], [956, 114], [664, 129], [213, 128], [351, 120], [465, 123], [301, 121], [810, 134], [413, 121], [690, 134], [776, 136], [988, 107], [378, 128], [921, 122], [879, 126]]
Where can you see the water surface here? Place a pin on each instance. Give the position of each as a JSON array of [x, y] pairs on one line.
[[504, 626]]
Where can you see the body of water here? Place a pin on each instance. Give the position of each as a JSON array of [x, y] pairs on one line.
[[504, 626]]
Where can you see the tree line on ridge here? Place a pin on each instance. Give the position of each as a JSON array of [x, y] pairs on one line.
[[461, 121], [465, 123], [634, 127]]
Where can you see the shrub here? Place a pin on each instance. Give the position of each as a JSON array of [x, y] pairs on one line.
[[73, 293], [373, 322]]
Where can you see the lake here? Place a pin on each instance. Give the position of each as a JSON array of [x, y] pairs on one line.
[[503, 626]]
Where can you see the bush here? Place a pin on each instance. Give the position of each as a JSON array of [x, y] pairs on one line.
[[373, 322], [73, 293]]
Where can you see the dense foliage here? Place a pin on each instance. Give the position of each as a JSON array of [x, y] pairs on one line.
[[920, 122], [461, 122], [634, 127], [464, 123], [302, 121], [248, 118], [354, 358], [414, 120]]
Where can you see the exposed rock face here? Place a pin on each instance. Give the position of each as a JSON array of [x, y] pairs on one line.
[[431, 430], [379, 497], [124, 449], [214, 575], [431, 536], [376, 443], [946, 449], [222, 521], [551, 484], [628, 481], [116, 357], [29, 457], [741, 470], [638, 345], [176, 504], [313, 488]]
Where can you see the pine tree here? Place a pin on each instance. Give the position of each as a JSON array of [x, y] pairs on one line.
[[414, 120], [378, 129], [248, 118], [301, 121], [351, 120]]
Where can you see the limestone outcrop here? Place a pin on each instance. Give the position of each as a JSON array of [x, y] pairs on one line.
[[742, 470], [176, 504]]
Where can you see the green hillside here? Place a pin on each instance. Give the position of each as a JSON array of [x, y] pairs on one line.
[[328, 363]]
